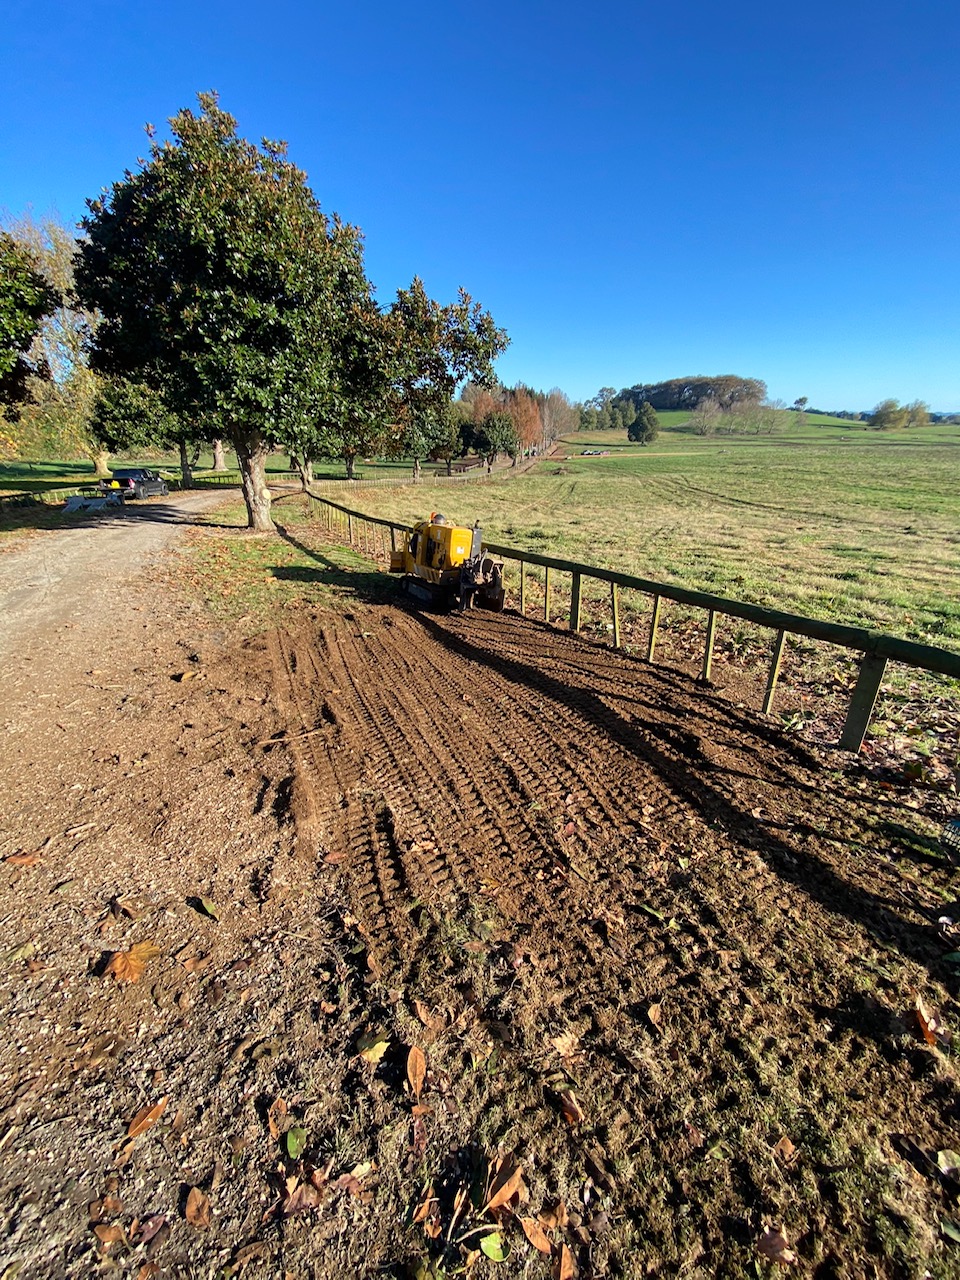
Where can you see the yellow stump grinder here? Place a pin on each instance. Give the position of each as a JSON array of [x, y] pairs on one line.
[[445, 565]]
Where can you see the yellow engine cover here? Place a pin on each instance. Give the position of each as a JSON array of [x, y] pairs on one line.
[[435, 550]]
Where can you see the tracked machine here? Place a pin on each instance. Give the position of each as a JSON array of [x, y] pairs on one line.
[[444, 564]]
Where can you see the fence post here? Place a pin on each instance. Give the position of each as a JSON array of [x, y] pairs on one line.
[[523, 587], [546, 595], [575, 604], [393, 538], [615, 606], [707, 668], [654, 625], [863, 701], [775, 659], [350, 528]]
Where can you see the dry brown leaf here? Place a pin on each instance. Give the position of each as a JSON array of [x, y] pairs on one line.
[[535, 1234], [785, 1150], [146, 1118], [555, 1217], [564, 1267], [425, 1016], [150, 1228], [302, 1198], [655, 1014], [276, 1114], [932, 1028], [252, 1252], [22, 859], [113, 1234], [198, 1209], [128, 966], [506, 1184], [148, 1271], [416, 1070], [423, 1209], [421, 1109], [774, 1246], [566, 1044], [570, 1107]]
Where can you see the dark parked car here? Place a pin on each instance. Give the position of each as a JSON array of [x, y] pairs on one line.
[[135, 482]]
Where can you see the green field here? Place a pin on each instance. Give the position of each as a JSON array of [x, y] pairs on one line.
[[855, 526]]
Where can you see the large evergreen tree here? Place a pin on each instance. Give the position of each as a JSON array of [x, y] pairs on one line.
[[222, 287]]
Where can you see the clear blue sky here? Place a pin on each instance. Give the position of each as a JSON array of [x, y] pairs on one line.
[[636, 190]]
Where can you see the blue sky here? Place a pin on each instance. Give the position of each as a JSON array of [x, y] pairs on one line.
[[637, 191]]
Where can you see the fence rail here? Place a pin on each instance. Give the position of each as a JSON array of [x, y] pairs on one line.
[[877, 647]]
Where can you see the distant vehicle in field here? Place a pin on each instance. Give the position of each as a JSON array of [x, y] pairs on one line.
[[594, 453], [135, 482]]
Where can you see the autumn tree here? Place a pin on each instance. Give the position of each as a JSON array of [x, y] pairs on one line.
[[527, 421], [217, 275], [558, 415], [705, 417]]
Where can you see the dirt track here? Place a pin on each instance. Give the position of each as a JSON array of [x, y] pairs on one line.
[[553, 867]]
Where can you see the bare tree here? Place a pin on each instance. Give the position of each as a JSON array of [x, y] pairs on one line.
[[706, 417]]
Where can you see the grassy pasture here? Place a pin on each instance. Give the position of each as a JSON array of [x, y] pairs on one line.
[[862, 528]]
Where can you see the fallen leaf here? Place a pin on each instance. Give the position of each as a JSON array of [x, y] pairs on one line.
[[564, 1267], [148, 1271], [785, 1150], [128, 966], [327, 1008], [569, 828], [505, 1184], [210, 909], [948, 1162], [113, 1234], [22, 859], [150, 1228], [296, 1140], [774, 1246], [198, 1209], [425, 1016], [570, 1107], [302, 1198], [416, 1070], [421, 1109], [495, 1247], [655, 1014], [276, 1113], [555, 1217], [536, 1235], [146, 1118], [566, 1044], [932, 1028], [372, 1045], [252, 1252], [423, 1209]]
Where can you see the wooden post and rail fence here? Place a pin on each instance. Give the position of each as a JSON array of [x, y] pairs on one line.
[[876, 647]]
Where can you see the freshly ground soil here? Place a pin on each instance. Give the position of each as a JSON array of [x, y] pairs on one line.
[[663, 957]]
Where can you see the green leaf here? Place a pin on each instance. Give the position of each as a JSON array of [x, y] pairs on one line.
[[952, 957], [495, 1247], [210, 909], [296, 1140], [950, 1229]]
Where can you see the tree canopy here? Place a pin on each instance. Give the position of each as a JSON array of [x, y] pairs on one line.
[[26, 296]]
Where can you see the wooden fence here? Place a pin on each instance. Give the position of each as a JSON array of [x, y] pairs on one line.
[[877, 648]]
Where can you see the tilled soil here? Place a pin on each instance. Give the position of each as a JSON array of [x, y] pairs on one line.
[[661, 956]]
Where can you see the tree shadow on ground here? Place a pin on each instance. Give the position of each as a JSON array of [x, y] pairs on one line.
[[677, 759], [364, 583], [35, 514]]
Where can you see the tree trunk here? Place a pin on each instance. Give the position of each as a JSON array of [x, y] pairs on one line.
[[252, 456], [219, 458], [305, 469], [100, 463], [449, 466], [186, 471], [416, 469], [351, 461]]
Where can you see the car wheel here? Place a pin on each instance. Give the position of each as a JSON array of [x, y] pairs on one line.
[[139, 491], [164, 491]]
